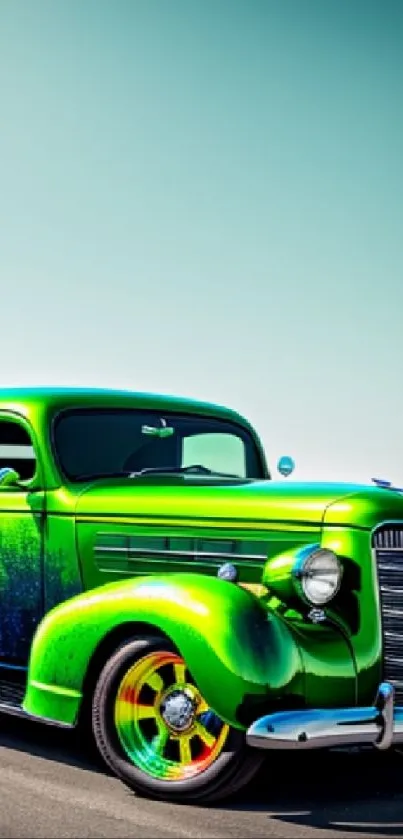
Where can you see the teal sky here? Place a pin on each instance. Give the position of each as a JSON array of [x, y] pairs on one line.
[[205, 198]]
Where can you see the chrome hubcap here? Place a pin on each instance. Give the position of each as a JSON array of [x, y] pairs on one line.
[[178, 710]]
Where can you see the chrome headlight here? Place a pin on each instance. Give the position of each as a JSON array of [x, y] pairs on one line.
[[317, 576]]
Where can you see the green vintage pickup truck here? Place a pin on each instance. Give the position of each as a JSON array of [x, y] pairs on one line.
[[160, 590]]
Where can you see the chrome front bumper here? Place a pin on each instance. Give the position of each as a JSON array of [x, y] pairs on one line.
[[324, 728]]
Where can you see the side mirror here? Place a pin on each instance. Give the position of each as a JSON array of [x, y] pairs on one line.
[[285, 466], [9, 477]]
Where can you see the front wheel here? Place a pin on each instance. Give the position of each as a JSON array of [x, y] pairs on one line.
[[157, 733]]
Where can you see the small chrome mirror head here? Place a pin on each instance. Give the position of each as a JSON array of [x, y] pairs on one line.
[[228, 572], [285, 466]]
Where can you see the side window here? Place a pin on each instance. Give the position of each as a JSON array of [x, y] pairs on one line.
[[16, 449], [217, 451]]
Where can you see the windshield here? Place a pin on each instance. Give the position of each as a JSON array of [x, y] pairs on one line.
[[91, 443]]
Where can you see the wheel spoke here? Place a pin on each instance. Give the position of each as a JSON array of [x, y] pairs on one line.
[[155, 681], [184, 750], [145, 712], [180, 672], [202, 707], [160, 740], [208, 738]]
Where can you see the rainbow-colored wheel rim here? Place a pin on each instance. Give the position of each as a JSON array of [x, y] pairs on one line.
[[164, 725]]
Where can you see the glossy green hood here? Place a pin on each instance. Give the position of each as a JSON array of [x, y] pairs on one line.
[[365, 507], [259, 502]]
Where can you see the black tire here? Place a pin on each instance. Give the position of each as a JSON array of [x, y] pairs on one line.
[[232, 769]]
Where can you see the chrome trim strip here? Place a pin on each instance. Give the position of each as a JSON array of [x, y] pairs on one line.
[[116, 549], [133, 552]]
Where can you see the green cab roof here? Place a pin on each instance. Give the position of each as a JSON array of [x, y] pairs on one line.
[[27, 400]]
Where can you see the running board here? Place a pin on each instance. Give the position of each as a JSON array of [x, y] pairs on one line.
[[18, 711], [13, 710], [12, 693]]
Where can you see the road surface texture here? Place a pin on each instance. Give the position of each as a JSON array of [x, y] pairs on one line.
[[53, 786]]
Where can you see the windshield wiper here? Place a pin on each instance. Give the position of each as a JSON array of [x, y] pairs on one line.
[[93, 476], [196, 469]]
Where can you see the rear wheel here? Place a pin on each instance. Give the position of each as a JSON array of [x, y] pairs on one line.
[[155, 730]]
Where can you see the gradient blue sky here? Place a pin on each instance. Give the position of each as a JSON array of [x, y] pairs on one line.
[[205, 198]]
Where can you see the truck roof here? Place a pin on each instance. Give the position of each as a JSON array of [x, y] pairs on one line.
[[28, 400]]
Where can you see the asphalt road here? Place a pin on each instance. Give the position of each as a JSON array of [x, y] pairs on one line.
[[51, 786]]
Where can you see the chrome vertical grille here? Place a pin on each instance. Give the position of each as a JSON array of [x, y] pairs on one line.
[[388, 546]]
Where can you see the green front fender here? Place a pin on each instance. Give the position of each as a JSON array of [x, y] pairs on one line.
[[236, 650]]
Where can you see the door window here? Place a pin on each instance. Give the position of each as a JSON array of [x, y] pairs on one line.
[[16, 449]]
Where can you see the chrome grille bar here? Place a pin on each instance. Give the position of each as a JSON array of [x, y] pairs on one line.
[[389, 536], [387, 542]]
